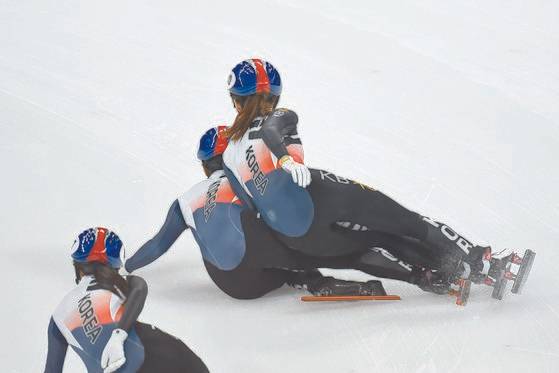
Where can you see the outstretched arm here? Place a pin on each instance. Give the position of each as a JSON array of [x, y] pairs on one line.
[[56, 350], [171, 230]]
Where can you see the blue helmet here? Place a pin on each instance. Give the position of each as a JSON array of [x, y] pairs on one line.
[[98, 245], [254, 76], [212, 143]]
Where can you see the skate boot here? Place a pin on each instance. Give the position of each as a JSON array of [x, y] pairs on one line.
[[317, 284], [500, 272], [439, 282], [299, 279], [431, 281], [481, 267], [330, 286], [474, 268], [477, 264]]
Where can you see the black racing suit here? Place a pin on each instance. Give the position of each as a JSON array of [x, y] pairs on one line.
[[268, 264], [350, 217], [347, 211]]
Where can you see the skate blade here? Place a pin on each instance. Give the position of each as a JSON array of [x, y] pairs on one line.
[[500, 285], [523, 272], [342, 298]]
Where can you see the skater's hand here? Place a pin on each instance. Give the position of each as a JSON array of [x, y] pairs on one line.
[[113, 353], [299, 172]]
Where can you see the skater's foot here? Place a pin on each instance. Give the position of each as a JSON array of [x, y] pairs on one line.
[[477, 264], [432, 281], [496, 271], [333, 286], [372, 287], [299, 279], [317, 284], [481, 267]]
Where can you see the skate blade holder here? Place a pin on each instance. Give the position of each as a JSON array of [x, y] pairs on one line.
[[519, 278]]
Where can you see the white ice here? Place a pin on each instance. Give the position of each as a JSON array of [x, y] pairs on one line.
[[452, 108]]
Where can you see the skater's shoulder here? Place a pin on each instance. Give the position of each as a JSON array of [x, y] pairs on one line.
[[216, 183], [68, 301], [282, 116], [199, 188]]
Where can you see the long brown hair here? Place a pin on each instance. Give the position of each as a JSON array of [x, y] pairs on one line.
[[253, 106], [105, 276]]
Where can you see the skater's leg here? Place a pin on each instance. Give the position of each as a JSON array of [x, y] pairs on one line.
[[341, 203], [407, 249], [165, 353], [268, 263], [388, 256], [448, 248], [264, 250], [262, 268], [381, 263], [342, 200], [362, 209], [245, 282], [323, 237], [376, 262]]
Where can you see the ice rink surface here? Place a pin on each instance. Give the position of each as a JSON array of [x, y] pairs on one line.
[[451, 108]]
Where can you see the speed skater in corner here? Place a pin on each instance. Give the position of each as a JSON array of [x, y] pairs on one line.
[[98, 318]]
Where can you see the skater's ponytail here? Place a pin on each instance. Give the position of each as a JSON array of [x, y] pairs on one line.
[[105, 276], [252, 107]]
